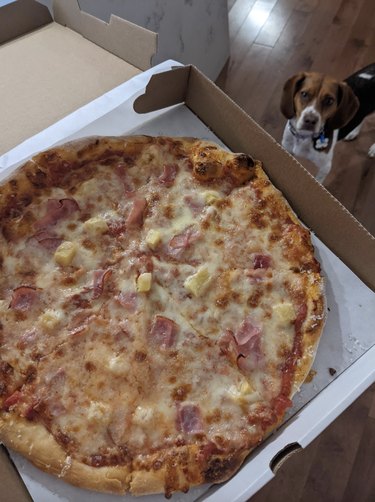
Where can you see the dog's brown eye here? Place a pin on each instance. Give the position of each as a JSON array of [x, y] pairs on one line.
[[304, 94], [328, 101]]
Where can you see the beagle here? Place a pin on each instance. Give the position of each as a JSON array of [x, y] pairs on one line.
[[321, 110]]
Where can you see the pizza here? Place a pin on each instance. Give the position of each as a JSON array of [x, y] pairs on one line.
[[160, 305]]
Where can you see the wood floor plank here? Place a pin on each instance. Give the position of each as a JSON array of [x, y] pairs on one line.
[[372, 408], [361, 35], [237, 16], [352, 179], [307, 5], [293, 473], [275, 24], [361, 484], [328, 59], [278, 67], [248, 31], [329, 473], [248, 74]]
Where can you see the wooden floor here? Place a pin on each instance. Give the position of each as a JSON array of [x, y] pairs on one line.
[[270, 41]]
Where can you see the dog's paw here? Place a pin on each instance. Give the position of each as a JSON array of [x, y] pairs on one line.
[[371, 152], [353, 134]]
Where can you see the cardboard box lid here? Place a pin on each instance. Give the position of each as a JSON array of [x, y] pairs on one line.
[[53, 68], [315, 206]]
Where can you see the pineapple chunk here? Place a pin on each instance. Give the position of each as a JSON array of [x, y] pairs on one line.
[[87, 188], [245, 388], [197, 283], [241, 391], [65, 253], [144, 282], [50, 319], [153, 238], [285, 312], [96, 225], [210, 196]]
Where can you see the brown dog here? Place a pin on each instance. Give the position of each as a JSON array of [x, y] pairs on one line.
[[317, 108]]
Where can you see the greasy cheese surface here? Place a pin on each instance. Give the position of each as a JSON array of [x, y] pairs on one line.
[[142, 308]]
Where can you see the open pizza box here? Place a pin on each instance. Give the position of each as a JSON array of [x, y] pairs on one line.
[[176, 100]]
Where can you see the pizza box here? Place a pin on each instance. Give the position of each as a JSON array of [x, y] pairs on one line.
[[55, 63], [178, 100]]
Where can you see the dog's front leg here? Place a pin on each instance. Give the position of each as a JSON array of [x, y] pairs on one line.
[[324, 167], [288, 140]]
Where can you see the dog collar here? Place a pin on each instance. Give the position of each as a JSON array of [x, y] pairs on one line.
[[319, 139], [321, 142]]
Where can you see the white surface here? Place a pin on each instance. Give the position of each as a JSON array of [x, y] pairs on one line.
[[191, 31], [345, 345]]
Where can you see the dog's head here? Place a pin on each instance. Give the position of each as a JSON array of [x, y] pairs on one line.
[[316, 101]]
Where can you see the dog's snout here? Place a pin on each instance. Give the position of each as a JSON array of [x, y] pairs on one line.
[[310, 119]]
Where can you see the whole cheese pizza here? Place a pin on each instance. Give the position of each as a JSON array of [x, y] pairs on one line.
[[160, 304]]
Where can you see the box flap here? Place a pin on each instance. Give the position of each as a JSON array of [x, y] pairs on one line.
[[20, 17], [166, 90], [130, 42], [316, 207], [50, 73]]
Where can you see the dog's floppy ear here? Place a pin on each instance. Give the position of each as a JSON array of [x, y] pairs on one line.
[[291, 86], [348, 105]]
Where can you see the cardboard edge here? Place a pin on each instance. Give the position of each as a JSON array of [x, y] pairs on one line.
[[130, 42], [331, 221], [176, 83], [20, 17]]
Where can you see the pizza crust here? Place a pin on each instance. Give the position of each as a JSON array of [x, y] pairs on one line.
[[312, 330], [181, 469], [34, 442]]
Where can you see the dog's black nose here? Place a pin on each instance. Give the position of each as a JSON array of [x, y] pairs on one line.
[[310, 120]]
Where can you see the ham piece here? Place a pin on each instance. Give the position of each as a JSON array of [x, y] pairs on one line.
[[247, 337], [12, 400], [129, 300], [261, 261], [244, 345], [56, 210], [23, 298], [135, 217], [99, 279], [163, 332], [189, 419], [182, 241], [48, 240], [169, 174]]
